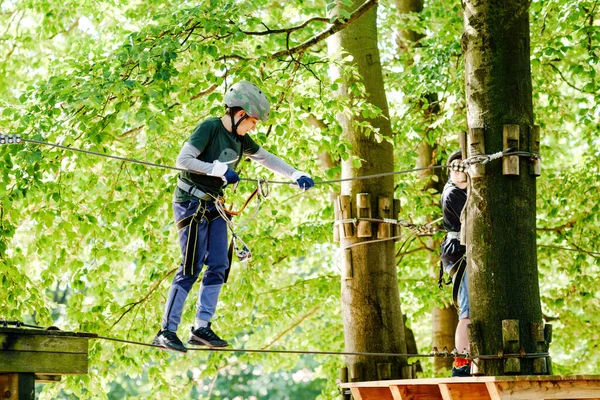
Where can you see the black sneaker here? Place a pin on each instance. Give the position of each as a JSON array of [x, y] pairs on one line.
[[206, 337], [461, 372], [169, 340]]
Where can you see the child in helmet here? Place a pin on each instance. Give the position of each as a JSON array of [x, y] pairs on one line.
[[212, 154], [454, 197]]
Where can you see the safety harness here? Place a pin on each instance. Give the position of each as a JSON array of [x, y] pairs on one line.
[[457, 272], [192, 221]]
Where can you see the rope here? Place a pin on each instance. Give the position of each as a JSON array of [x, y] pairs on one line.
[[478, 159], [445, 353], [433, 354]]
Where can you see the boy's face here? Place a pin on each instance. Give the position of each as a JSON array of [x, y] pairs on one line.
[[247, 124]]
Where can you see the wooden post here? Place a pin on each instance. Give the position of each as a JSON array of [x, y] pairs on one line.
[[363, 210], [384, 371], [17, 386], [535, 167], [537, 332], [384, 230], [510, 138], [356, 372], [344, 379], [396, 228], [548, 339], [337, 215], [511, 343], [476, 346], [346, 210], [475, 147]]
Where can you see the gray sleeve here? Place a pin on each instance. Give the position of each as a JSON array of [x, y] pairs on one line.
[[272, 163], [187, 160]]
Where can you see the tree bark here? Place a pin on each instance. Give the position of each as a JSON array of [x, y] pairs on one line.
[[443, 324], [500, 212], [370, 300]]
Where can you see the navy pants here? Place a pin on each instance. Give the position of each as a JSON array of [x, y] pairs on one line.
[[210, 249]]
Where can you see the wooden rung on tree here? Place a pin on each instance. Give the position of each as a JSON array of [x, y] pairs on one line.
[[511, 344], [346, 210], [337, 214], [476, 147], [384, 230], [363, 210], [510, 164]]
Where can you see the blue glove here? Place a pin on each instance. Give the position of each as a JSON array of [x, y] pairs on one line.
[[305, 182], [231, 176]]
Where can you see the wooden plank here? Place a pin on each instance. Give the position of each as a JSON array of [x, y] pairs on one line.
[[44, 343], [396, 395], [373, 393], [464, 391], [419, 392], [44, 362], [44, 332], [356, 393], [555, 389]]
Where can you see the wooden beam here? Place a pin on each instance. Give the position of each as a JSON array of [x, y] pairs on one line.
[[547, 389], [372, 393], [464, 391], [43, 352], [419, 392]]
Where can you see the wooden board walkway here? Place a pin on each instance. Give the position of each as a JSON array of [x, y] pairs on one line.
[[480, 388]]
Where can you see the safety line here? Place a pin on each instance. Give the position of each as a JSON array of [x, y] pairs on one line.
[[339, 353], [445, 353], [477, 159]]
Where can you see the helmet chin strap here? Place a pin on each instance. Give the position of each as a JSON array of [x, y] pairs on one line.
[[234, 126]]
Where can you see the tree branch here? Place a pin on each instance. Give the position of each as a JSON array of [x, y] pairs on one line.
[[131, 306], [337, 26], [564, 79], [285, 30], [559, 228]]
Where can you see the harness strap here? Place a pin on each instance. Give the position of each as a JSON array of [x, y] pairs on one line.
[[459, 272], [192, 222], [192, 190], [236, 213]]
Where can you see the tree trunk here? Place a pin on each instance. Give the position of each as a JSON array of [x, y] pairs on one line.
[[370, 300], [500, 212], [443, 324]]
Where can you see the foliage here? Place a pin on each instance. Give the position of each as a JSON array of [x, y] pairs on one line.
[[87, 243]]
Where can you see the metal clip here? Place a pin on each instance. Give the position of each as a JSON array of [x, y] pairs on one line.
[[243, 254], [10, 139], [263, 188]]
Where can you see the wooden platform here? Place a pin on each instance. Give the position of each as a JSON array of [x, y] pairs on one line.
[[480, 388], [45, 353]]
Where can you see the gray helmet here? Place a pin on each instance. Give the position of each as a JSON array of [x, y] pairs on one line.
[[457, 155], [250, 98]]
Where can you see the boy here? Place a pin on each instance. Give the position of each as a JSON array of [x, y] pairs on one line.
[[212, 154]]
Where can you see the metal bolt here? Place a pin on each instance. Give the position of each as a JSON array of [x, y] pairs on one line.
[[7, 394]]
